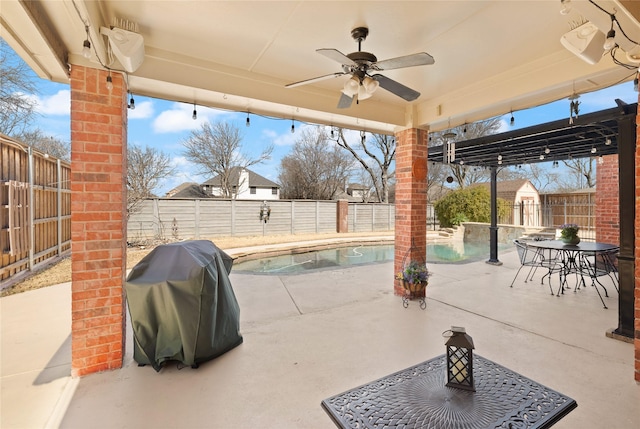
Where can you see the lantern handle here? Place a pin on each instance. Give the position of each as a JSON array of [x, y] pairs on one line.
[[448, 333]]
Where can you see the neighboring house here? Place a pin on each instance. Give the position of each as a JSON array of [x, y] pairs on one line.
[[355, 193], [246, 185], [523, 196], [187, 190], [359, 192]]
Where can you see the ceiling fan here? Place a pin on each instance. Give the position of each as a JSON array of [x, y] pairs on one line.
[[360, 65]]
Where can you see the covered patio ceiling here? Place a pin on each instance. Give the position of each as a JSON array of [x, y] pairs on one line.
[[589, 135], [491, 57]]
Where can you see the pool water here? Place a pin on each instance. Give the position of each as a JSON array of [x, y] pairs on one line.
[[457, 252]]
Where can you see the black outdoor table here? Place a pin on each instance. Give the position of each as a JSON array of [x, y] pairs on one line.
[[417, 397], [571, 258]]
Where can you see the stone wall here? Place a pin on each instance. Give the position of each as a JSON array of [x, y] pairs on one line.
[[476, 231]]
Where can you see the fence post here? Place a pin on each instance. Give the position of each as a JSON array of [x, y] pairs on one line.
[[31, 210], [293, 217], [355, 217], [59, 202], [156, 215], [233, 217], [373, 218], [317, 216], [197, 213]]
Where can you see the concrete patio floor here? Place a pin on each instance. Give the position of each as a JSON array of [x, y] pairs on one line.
[[311, 336]]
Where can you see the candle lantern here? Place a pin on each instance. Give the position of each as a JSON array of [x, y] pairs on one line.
[[459, 359]]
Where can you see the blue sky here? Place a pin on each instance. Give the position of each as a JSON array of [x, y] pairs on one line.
[[165, 124]]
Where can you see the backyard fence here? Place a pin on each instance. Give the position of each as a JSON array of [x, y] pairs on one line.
[[35, 207], [555, 210], [159, 219], [35, 213]]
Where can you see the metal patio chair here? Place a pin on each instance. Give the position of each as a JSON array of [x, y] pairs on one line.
[[598, 265], [535, 258]]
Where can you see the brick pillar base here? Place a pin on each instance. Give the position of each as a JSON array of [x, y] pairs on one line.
[[411, 200], [98, 220]]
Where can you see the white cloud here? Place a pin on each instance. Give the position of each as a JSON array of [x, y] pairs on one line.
[[504, 127], [143, 110], [55, 104], [180, 118]]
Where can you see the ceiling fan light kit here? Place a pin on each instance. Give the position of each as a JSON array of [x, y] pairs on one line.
[[359, 64]]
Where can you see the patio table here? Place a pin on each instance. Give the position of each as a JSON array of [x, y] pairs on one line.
[[572, 258], [417, 397]]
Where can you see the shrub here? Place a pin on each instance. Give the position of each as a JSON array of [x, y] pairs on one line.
[[467, 205]]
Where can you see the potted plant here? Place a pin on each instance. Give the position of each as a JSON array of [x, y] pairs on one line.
[[414, 277], [569, 233]]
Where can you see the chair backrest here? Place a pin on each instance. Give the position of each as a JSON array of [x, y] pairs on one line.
[[527, 256], [605, 262]]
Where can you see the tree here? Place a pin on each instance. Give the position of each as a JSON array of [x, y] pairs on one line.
[[542, 178], [581, 173], [472, 204], [216, 149], [380, 152], [315, 169], [17, 109], [145, 169], [46, 144]]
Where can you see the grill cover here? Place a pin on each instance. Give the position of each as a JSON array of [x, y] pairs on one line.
[[182, 304]]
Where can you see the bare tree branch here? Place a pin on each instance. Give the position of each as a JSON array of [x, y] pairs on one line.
[[314, 169], [46, 144], [216, 149], [378, 164], [17, 109], [145, 170]]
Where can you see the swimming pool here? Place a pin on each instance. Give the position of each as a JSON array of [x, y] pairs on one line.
[[455, 252]]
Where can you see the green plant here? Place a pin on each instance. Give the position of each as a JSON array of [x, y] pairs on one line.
[[471, 204], [569, 230], [414, 272], [458, 219]]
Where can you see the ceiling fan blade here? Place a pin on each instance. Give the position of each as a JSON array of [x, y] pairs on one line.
[[420, 59], [336, 55], [396, 88], [315, 79], [345, 101]]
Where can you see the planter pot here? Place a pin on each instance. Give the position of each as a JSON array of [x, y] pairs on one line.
[[571, 240], [416, 290]]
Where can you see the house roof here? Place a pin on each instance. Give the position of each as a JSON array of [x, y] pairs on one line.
[[187, 190], [254, 179]]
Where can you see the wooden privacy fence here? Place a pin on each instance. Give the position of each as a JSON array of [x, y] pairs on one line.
[[35, 207], [160, 219]]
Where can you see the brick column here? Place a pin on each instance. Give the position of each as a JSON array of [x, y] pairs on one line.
[[342, 216], [98, 220], [411, 199], [636, 321], [608, 200]]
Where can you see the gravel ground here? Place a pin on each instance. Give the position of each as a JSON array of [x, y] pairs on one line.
[[61, 271]]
